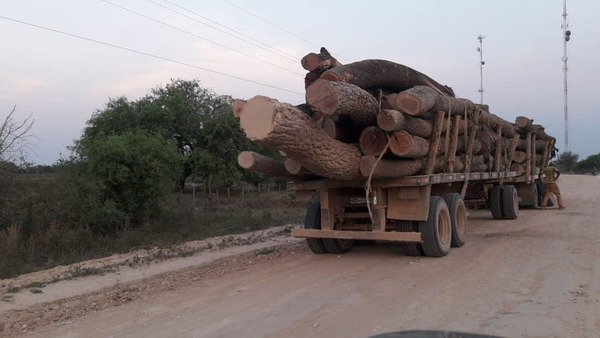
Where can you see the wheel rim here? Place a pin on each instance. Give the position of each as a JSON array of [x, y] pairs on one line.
[[515, 200], [444, 227]]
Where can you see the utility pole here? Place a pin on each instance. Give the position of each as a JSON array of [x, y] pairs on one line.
[[565, 59], [481, 63]]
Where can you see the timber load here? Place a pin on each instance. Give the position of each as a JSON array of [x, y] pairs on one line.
[[380, 119]]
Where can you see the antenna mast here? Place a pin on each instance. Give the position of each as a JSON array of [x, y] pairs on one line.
[[481, 63], [565, 59]]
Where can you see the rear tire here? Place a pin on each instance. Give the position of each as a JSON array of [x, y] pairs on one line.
[[510, 202], [436, 232], [313, 221], [458, 219], [338, 246], [411, 248], [496, 202]]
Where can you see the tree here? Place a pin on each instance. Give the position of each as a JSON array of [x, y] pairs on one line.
[[14, 137], [127, 138], [198, 120], [589, 163], [134, 170], [567, 161]]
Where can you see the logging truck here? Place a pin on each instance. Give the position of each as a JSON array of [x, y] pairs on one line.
[[387, 153], [426, 213]]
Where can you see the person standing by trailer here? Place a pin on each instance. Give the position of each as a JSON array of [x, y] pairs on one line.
[[549, 177]]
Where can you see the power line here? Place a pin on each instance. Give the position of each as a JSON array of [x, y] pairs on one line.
[[287, 55], [147, 54], [274, 25], [198, 36]]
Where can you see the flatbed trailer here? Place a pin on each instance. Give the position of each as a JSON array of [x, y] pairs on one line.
[[426, 213]]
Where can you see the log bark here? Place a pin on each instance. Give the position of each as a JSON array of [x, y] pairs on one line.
[[262, 164], [420, 99], [392, 120], [494, 121], [387, 75], [524, 123], [372, 141], [519, 156], [389, 168], [462, 146], [293, 167], [340, 98], [286, 128], [406, 145], [321, 62]]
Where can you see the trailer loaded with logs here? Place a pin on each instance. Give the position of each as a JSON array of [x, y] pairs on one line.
[[393, 155]]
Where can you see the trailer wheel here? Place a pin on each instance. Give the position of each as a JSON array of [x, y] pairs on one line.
[[458, 218], [411, 248], [496, 202], [313, 221], [436, 232], [510, 202], [338, 246]]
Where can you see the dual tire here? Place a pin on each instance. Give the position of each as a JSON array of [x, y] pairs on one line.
[[436, 231], [504, 202], [323, 245]]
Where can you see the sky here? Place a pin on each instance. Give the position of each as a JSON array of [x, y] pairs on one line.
[[62, 80]]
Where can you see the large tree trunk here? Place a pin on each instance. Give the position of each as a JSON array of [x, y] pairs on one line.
[[387, 75], [262, 164], [340, 98], [286, 128], [419, 100]]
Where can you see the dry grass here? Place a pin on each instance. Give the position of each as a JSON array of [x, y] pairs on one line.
[[48, 241]]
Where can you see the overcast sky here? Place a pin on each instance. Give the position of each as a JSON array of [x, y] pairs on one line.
[[62, 80]]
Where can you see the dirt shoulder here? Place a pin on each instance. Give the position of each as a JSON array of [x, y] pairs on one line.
[[66, 292]]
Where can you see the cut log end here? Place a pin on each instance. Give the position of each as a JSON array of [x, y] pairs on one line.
[[409, 104], [322, 96], [256, 162], [311, 61], [257, 116], [245, 159], [372, 141], [401, 143]]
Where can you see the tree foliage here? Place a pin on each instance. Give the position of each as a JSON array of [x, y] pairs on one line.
[[131, 145], [567, 161], [135, 170], [589, 163]]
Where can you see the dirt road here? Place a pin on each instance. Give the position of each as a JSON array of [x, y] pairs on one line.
[[537, 276]]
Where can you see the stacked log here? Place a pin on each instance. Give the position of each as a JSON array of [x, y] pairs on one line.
[[377, 118]]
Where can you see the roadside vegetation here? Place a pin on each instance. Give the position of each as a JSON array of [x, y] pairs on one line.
[[155, 171]]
